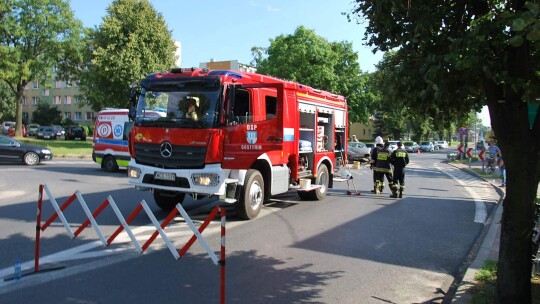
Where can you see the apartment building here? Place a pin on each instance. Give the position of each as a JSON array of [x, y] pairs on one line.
[[61, 94]]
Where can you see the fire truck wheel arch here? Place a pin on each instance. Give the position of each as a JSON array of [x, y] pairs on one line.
[[323, 179], [251, 197]]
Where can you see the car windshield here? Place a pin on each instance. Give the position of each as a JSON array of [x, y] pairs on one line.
[[184, 104], [425, 143]]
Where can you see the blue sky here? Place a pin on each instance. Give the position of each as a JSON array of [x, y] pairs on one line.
[[227, 30]]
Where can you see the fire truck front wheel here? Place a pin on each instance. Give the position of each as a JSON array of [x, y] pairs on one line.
[[167, 200], [252, 196]]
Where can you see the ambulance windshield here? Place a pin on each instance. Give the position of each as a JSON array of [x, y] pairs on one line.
[[179, 108]]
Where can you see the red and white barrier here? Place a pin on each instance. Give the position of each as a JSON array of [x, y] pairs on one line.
[[124, 225]]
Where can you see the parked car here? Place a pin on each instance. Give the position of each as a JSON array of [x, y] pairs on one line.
[[6, 125], [60, 132], [358, 151], [427, 146], [392, 145], [46, 133], [14, 151], [75, 132], [357, 154], [32, 129], [411, 146], [440, 144]]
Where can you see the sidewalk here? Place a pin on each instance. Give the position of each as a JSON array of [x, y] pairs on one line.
[[489, 246]]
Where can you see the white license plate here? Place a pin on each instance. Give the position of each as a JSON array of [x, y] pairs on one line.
[[165, 176], [46, 136]]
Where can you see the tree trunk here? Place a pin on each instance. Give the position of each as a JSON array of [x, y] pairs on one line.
[[18, 115], [519, 147]]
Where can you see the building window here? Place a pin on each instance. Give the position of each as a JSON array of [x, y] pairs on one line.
[[24, 101], [57, 84], [35, 85], [68, 84], [67, 115], [25, 116], [57, 100], [67, 100], [78, 115], [46, 92], [89, 115], [75, 100], [35, 100]]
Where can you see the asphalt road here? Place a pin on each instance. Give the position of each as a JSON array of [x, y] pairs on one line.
[[343, 249]]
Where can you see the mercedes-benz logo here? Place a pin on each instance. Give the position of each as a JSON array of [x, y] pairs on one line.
[[166, 149]]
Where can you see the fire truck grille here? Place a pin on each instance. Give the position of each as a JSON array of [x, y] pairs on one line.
[[182, 157]]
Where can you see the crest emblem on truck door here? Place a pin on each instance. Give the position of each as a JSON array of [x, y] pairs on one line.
[[251, 137]]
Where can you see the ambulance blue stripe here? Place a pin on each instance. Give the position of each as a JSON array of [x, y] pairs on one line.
[[114, 142]]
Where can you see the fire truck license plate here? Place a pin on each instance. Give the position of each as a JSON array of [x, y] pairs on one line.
[[165, 176]]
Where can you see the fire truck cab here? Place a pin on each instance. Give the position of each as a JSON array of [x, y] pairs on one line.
[[242, 137]]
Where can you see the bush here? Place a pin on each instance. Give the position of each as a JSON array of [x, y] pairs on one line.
[[85, 128], [90, 130]]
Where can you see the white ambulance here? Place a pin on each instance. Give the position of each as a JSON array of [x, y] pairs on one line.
[[111, 134]]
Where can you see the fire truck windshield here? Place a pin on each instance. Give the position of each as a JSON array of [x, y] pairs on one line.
[[179, 108]]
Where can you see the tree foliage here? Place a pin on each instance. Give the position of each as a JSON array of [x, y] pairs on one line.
[[132, 41], [7, 103], [35, 36], [307, 58], [452, 58], [46, 114]]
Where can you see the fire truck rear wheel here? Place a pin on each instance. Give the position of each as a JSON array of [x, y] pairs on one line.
[[252, 196], [323, 179], [167, 200], [109, 164]]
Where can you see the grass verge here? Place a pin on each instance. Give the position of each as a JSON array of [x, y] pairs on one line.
[[62, 148], [483, 292]]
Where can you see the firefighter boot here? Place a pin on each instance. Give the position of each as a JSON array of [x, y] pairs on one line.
[[381, 187], [394, 191], [401, 192], [377, 188]]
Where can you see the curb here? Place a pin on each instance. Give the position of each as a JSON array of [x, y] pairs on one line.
[[485, 246]]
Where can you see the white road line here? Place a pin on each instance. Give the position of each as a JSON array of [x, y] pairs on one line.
[[480, 214]]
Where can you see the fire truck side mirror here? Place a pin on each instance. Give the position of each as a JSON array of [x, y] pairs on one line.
[[134, 93]]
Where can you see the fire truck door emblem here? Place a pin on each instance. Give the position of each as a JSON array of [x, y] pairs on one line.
[[166, 149], [251, 137]]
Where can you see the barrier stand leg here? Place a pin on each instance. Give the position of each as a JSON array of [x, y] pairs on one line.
[[38, 228], [222, 256]]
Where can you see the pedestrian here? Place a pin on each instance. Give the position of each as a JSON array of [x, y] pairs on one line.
[[399, 159], [373, 159], [494, 151], [354, 139], [502, 166], [382, 169]]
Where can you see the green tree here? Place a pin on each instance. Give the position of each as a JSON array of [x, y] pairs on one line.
[[454, 58], [35, 36], [309, 59], [46, 114], [7, 103], [132, 41]]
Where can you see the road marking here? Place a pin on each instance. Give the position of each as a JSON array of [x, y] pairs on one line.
[[480, 214]]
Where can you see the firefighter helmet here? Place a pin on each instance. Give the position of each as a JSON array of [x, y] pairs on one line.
[[379, 140]]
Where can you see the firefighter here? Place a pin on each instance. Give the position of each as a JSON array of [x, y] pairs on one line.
[[382, 169], [373, 159], [399, 159]]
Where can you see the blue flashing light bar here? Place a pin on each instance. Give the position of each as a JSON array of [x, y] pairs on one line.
[[225, 73]]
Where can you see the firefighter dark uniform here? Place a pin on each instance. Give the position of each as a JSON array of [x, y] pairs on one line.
[[372, 164], [382, 169], [399, 159]]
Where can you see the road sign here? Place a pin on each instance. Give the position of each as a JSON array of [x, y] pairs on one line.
[[469, 153], [460, 148], [481, 155], [463, 130]]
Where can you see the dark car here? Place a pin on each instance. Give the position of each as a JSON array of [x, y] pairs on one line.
[[357, 154], [411, 146], [59, 130], [46, 133], [32, 129], [13, 151], [75, 132]]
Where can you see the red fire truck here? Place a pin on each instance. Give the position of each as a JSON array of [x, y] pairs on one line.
[[239, 136]]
